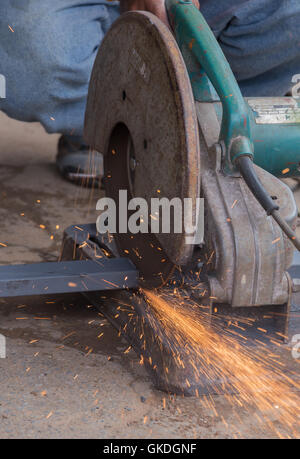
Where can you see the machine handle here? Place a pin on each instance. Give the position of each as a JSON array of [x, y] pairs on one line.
[[195, 36]]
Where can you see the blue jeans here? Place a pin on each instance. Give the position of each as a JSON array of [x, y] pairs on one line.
[[47, 50]]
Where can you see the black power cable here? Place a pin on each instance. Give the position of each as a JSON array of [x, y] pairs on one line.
[[248, 173]]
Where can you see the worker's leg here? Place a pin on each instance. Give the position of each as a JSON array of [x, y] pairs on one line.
[[47, 50], [261, 40]]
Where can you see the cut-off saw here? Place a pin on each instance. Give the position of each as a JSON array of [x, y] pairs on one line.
[[166, 111]]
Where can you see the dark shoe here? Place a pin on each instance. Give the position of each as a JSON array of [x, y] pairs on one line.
[[77, 163]]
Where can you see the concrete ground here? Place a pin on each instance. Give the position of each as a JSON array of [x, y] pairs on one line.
[[58, 379]]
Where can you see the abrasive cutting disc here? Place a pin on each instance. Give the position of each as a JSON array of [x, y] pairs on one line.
[[141, 116]]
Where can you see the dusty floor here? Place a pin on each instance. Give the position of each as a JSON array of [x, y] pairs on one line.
[[52, 385]]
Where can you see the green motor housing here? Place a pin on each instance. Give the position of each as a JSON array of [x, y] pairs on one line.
[[275, 131], [275, 126]]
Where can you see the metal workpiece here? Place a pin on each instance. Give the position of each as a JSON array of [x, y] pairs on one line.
[[75, 276]]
